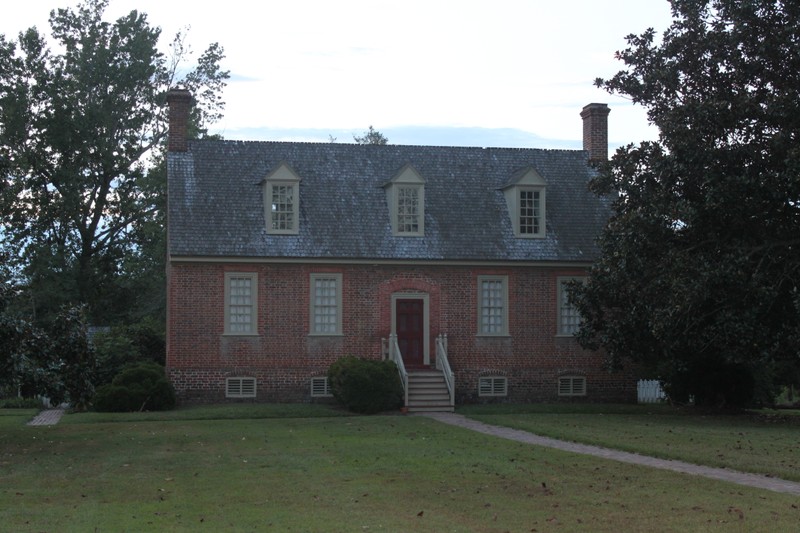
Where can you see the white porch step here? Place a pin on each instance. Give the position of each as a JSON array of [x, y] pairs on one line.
[[427, 392]]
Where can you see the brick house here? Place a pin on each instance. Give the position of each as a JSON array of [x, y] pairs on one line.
[[285, 256]]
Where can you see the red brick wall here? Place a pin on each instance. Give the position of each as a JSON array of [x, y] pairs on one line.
[[180, 106], [595, 131], [283, 357]]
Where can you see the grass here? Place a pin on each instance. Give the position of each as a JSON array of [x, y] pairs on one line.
[[215, 412], [764, 442], [215, 468]]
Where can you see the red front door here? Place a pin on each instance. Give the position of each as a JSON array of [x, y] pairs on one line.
[[409, 326]]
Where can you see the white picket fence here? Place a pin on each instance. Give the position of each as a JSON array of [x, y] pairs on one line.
[[649, 391]]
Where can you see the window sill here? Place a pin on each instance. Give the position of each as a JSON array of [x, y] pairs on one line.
[[241, 335], [326, 334]]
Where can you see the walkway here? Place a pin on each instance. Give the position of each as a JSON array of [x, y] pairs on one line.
[[48, 417], [740, 478]]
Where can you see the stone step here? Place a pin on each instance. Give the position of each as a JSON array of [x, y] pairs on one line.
[[428, 384], [429, 395], [427, 392], [430, 409]]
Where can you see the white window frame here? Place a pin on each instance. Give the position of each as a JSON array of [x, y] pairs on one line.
[[488, 330], [526, 180], [251, 327], [492, 386], [320, 387], [282, 176], [566, 313], [407, 179], [240, 387], [571, 386], [539, 209], [408, 220], [315, 307]]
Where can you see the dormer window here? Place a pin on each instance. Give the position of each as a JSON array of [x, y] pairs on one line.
[[525, 197], [405, 195], [530, 211], [282, 201], [408, 208]]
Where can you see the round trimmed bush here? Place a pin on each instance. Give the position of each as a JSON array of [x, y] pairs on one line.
[[365, 385], [143, 387]]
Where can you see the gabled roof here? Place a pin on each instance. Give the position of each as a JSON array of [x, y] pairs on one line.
[[216, 202]]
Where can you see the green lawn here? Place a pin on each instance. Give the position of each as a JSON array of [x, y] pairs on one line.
[[764, 443], [385, 473]]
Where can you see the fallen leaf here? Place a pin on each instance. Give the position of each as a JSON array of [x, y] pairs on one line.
[[738, 512]]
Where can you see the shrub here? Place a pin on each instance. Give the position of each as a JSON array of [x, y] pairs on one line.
[[114, 351], [713, 384], [127, 345], [366, 386], [137, 388], [21, 403]]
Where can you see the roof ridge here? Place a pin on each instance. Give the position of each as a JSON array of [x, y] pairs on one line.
[[390, 146]]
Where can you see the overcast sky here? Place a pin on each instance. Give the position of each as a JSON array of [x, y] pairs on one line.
[[448, 72]]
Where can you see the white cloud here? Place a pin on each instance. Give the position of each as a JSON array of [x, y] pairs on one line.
[[525, 65]]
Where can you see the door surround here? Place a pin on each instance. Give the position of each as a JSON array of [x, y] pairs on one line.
[[426, 326]]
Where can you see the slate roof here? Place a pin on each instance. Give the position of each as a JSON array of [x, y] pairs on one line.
[[216, 202]]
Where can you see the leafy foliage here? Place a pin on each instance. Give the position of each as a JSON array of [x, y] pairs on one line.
[[78, 130], [123, 346], [143, 387], [20, 403], [371, 136], [58, 363], [77, 363], [26, 365], [366, 385], [700, 262]]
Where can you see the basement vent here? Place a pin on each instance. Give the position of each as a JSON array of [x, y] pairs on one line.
[[492, 386], [572, 386], [240, 387], [320, 388]]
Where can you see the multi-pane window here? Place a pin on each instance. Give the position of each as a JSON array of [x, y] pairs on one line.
[[569, 318], [240, 303], [408, 209], [282, 201], [326, 298], [526, 199], [492, 305], [283, 208], [405, 196], [530, 212]]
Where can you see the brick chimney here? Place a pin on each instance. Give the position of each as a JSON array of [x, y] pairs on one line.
[[595, 132], [180, 104]]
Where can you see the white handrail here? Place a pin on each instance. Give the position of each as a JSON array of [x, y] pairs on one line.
[[443, 364], [397, 357]]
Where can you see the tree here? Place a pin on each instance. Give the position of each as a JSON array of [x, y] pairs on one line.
[[371, 136], [58, 363], [700, 262], [78, 131]]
